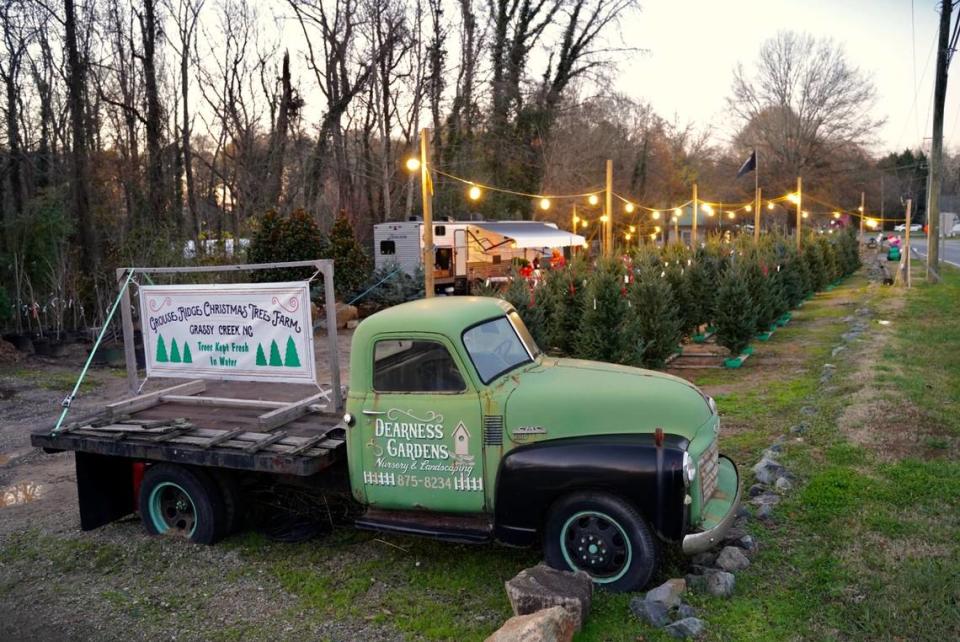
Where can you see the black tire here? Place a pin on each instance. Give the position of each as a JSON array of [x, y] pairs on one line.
[[176, 500], [616, 547]]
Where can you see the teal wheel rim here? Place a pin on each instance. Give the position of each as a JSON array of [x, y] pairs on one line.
[[172, 509], [594, 542]]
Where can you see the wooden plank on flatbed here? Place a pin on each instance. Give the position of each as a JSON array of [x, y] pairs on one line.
[[291, 411], [266, 441], [142, 402], [225, 402], [227, 435]]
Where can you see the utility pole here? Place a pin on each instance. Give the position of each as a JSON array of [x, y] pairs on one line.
[[426, 194], [696, 211], [936, 147], [799, 208], [608, 210], [906, 244]]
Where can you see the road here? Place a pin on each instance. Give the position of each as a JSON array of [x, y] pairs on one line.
[[950, 250]]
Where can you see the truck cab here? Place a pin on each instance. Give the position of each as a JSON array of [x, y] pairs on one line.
[[459, 426]]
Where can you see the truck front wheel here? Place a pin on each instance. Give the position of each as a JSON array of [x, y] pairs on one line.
[[605, 537], [175, 500]]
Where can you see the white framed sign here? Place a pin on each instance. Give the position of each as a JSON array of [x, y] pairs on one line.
[[237, 331]]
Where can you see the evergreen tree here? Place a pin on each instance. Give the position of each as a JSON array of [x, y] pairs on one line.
[[293, 238], [736, 320], [652, 330], [601, 335], [521, 295], [187, 356], [677, 276], [174, 352], [161, 350], [756, 274], [261, 358], [816, 267], [565, 296], [350, 260], [291, 359], [703, 290], [275, 354]]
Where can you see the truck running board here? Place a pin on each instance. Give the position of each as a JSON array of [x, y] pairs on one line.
[[466, 529]]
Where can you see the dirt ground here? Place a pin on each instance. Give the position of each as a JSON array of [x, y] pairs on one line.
[[38, 496]]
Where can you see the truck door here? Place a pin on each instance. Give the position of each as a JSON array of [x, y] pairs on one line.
[[422, 435]]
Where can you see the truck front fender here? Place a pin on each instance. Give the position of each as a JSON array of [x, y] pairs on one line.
[[633, 467]]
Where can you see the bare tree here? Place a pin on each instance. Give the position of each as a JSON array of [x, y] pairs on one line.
[[156, 196], [186, 15], [802, 100]]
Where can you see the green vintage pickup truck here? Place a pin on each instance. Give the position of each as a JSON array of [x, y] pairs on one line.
[[454, 411], [456, 426]]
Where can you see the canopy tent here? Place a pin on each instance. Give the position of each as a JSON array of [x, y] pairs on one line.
[[531, 234]]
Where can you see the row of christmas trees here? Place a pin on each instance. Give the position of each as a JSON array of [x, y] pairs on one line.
[[636, 309]]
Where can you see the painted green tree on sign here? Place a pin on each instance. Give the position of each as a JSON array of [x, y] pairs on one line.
[[174, 352], [161, 350], [291, 359], [261, 358], [187, 357], [275, 354]]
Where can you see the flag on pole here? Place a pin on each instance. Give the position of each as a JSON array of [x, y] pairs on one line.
[[748, 165]]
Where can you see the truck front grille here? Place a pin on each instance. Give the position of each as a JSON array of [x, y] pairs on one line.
[[709, 469]]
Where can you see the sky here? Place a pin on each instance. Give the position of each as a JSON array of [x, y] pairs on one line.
[[693, 46]]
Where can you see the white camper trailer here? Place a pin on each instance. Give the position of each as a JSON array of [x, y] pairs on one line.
[[467, 252]]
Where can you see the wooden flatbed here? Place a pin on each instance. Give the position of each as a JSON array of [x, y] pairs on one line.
[[272, 428]]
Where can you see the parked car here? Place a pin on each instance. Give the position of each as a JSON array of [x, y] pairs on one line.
[[914, 227]]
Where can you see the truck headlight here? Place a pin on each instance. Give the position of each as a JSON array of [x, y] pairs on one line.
[[712, 405], [689, 468]]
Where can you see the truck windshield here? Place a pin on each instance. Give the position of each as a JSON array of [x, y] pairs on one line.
[[496, 346]]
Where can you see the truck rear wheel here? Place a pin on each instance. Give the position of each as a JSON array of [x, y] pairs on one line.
[[605, 537], [175, 500]]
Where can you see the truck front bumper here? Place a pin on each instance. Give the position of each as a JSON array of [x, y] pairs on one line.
[[719, 512]]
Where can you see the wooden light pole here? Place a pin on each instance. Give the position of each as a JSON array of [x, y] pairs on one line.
[[799, 208], [608, 210], [426, 194], [693, 228]]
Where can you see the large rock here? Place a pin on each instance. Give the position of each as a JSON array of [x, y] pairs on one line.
[[541, 587], [767, 470], [688, 627], [732, 559], [720, 584], [344, 313], [554, 624], [655, 614], [668, 593]]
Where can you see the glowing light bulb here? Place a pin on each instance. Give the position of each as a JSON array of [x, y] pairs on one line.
[[576, 219], [677, 212], [412, 164], [731, 215], [653, 236], [836, 215], [793, 197], [706, 208], [656, 229], [770, 205], [655, 215], [633, 228], [593, 199], [583, 223], [474, 193], [629, 207], [604, 218], [749, 208], [627, 236], [544, 203], [805, 214]]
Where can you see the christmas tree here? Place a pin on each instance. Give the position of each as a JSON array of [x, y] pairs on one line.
[[291, 358], [261, 358], [736, 318], [174, 352], [350, 259], [605, 309], [652, 330], [520, 294], [275, 354], [161, 350], [293, 238], [187, 357], [562, 299]]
